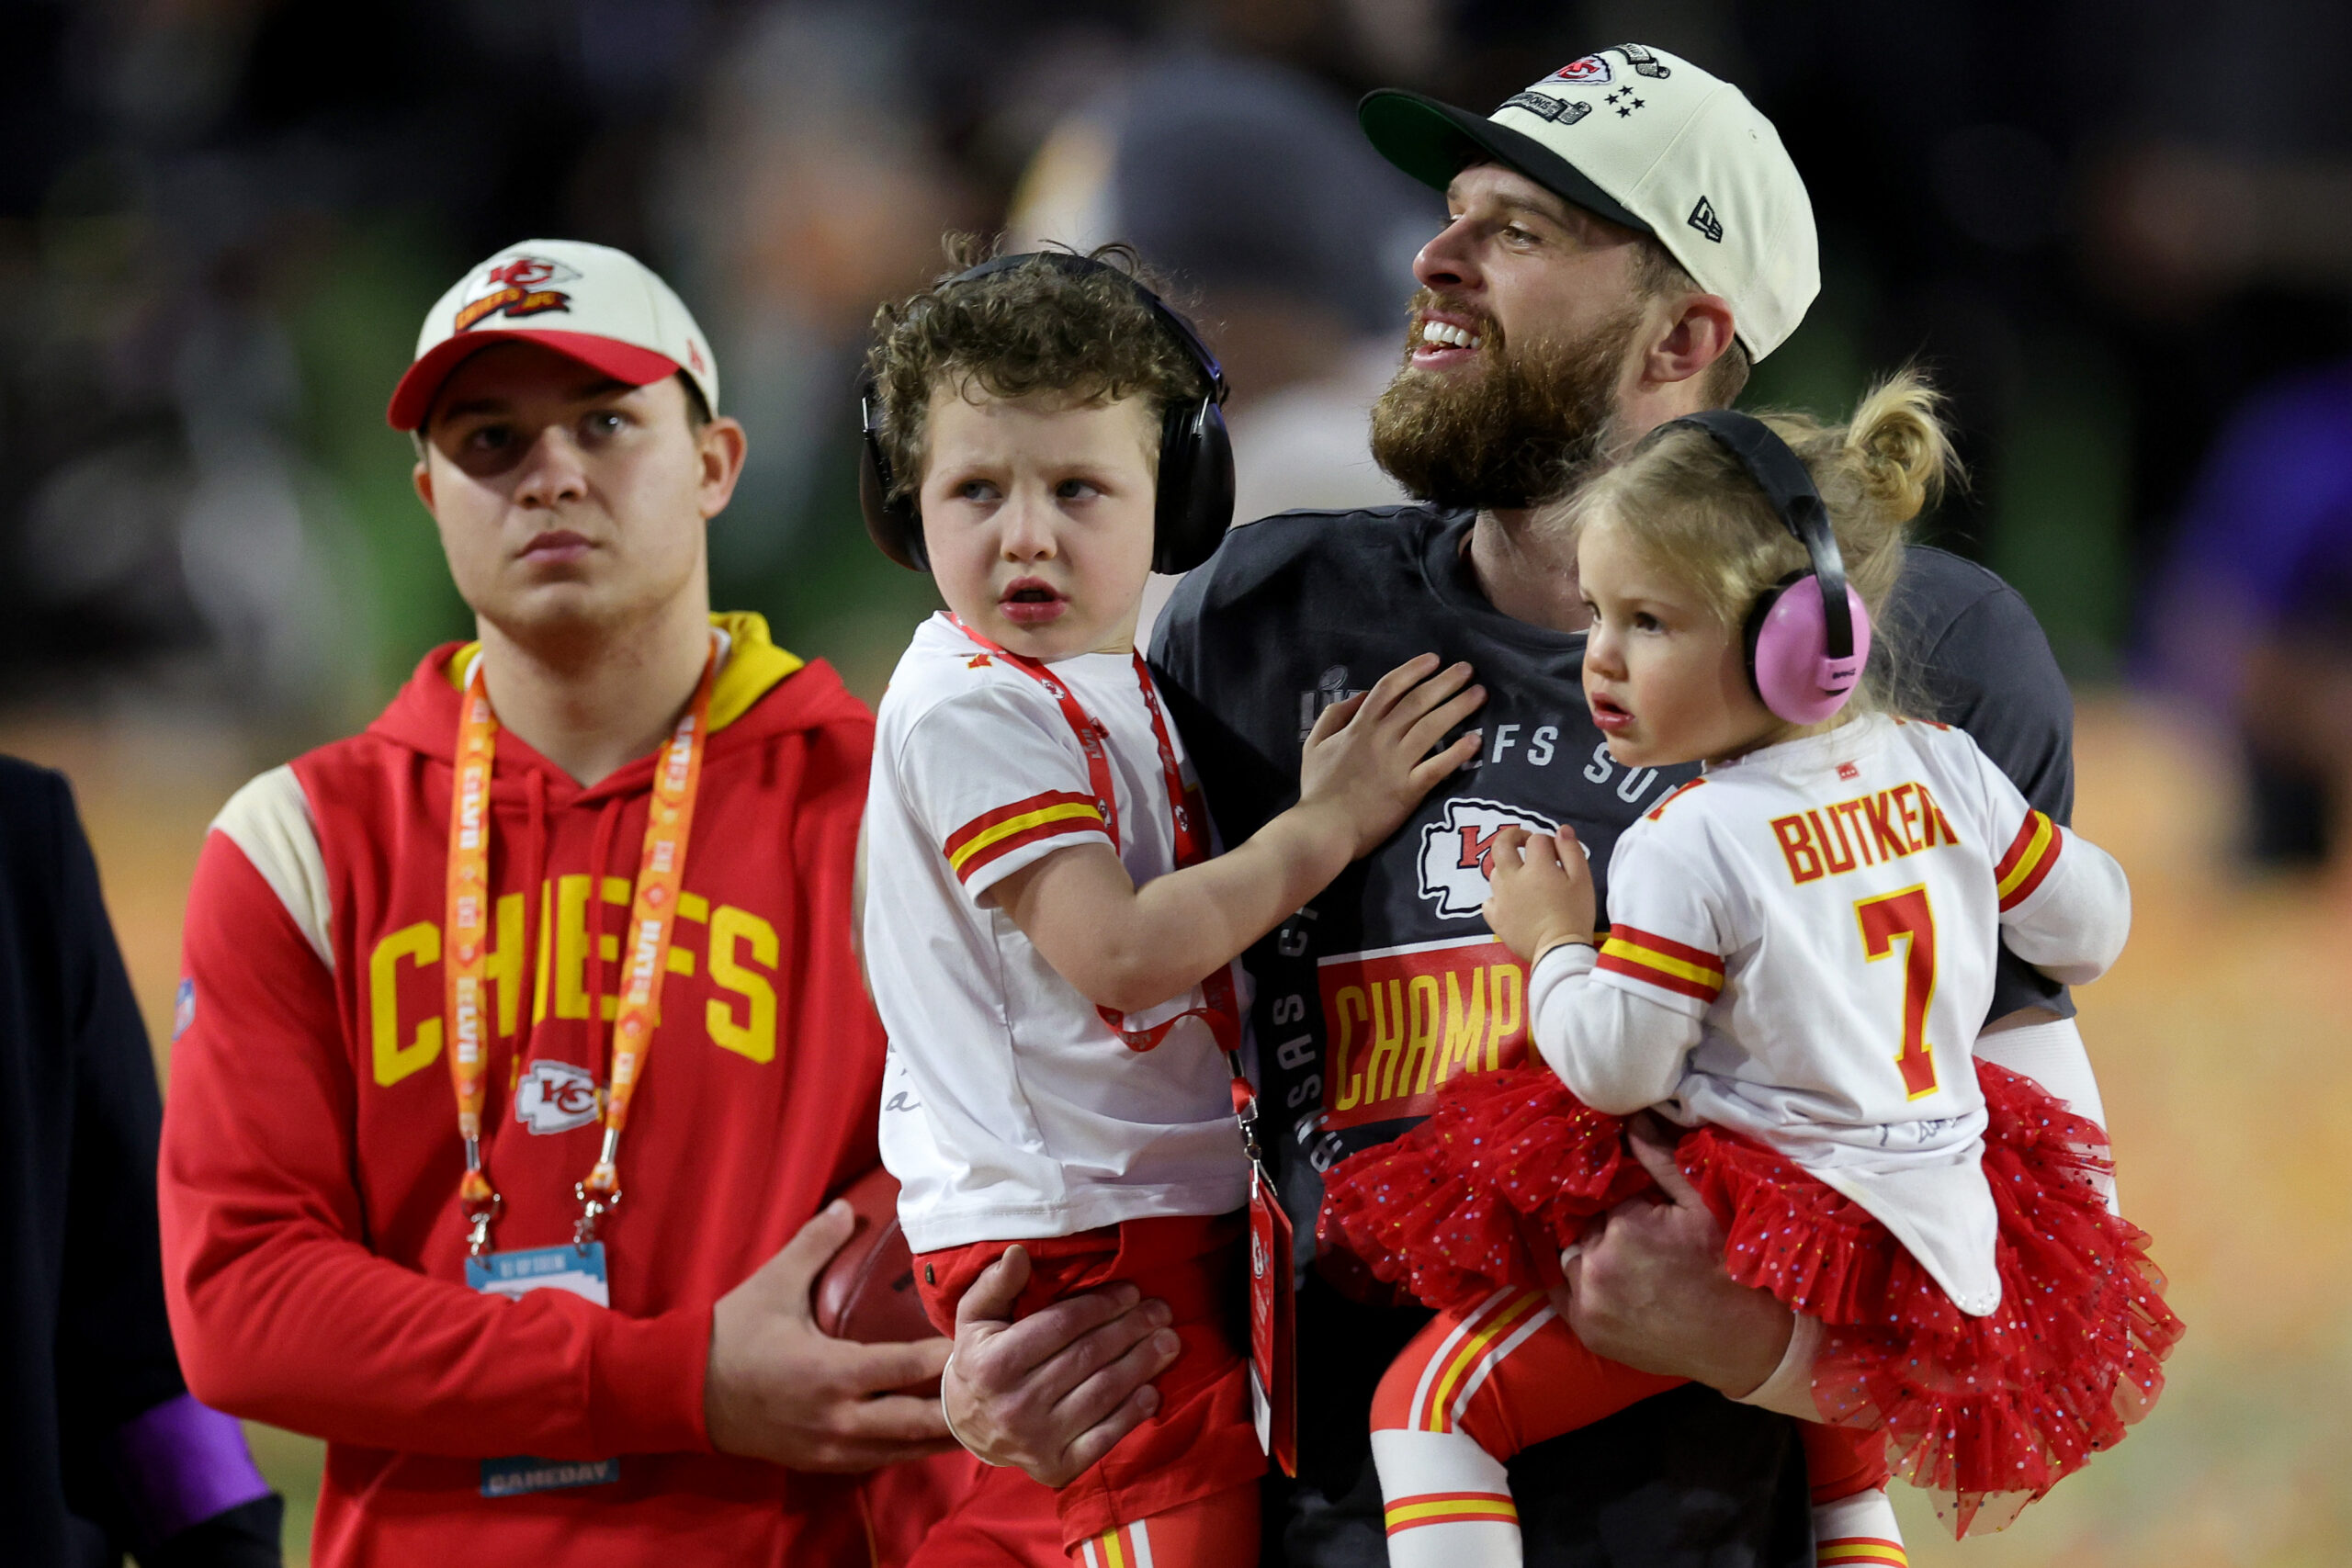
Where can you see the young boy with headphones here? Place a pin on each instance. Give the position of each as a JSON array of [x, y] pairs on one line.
[[1048, 936]]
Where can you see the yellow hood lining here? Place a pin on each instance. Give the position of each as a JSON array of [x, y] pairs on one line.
[[755, 666]]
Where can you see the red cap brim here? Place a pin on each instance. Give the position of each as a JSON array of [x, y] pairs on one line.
[[625, 362]]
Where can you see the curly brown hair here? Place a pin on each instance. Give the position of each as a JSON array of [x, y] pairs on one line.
[[1031, 328]]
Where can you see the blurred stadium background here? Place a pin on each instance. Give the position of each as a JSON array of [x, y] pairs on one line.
[[2119, 233]]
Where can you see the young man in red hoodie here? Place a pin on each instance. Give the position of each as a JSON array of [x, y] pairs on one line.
[[521, 1034]]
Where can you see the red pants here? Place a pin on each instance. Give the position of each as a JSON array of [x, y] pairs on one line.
[[952, 1511], [1196, 1463], [1511, 1374]]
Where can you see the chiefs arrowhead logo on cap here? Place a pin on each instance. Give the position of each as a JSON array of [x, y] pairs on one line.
[[590, 303], [516, 287], [1590, 71]]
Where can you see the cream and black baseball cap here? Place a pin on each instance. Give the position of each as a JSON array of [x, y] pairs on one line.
[[1653, 142], [599, 306]]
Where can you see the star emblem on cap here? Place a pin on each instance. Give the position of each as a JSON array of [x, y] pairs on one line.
[[1624, 103]]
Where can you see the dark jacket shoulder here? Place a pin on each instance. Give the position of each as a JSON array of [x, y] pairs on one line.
[[34, 803], [1264, 556], [1939, 593], [1969, 649]]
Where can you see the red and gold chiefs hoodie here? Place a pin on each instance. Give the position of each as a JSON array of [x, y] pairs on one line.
[[314, 1251]]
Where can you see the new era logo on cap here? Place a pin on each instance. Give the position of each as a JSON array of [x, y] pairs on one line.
[[1648, 140], [597, 305]]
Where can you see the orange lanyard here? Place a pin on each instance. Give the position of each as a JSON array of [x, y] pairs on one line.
[[1220, 1009], [653, 910]]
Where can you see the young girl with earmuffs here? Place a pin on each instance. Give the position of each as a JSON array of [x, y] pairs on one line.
[[1800, 954]]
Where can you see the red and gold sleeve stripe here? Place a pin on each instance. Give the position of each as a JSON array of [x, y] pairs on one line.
[[992, 835], [1861, 1552], [1451, 1509], [1659, 961], [2030, 857]]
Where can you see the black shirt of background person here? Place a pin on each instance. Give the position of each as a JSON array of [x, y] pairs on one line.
[[1292, 614], [83, 1345]]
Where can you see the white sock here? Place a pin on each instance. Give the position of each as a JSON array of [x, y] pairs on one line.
[[1449, 1501], [1859, 1532]]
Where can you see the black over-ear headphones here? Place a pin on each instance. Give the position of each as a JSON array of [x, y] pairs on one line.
[[1805, 652], [1195, 486]]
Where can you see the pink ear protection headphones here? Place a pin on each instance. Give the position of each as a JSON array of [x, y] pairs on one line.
[[1805, 649]]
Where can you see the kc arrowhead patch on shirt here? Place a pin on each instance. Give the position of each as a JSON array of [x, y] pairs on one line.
[[555, 1097], [1455, 848]]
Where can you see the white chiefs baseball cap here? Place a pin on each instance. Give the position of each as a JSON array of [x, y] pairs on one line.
[[1653, 142], [600, 305]]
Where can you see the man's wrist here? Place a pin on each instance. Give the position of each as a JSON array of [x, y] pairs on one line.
[[1752, 1345], [946, 1414], [1788, 1388]]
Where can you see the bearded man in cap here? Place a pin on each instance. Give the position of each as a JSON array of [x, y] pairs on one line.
[[1624, 238], [522, 1040]]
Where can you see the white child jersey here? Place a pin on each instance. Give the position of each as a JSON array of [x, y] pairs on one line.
[[1009, 1110], [1801, 948]]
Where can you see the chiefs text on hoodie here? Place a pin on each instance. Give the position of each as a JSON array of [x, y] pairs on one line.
[[312, 1159]]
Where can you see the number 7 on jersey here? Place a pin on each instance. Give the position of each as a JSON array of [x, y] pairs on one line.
[[1905, 917]]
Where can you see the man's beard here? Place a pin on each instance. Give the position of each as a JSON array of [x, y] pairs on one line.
[[1516, 431]]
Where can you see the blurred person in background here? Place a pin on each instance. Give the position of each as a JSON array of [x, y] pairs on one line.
[[2251, 615], [815, 186], [104, 1450], [1247, 184], [1250, 186], [2235, 254], [1626, 237], [506, 1359]]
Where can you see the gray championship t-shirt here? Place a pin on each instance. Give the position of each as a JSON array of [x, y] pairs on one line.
[[1390, 983]]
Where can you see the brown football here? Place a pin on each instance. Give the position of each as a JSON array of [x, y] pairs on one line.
[[867, 1292]]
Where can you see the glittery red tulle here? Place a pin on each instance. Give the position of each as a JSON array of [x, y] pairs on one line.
[[1986, 1413], [1465, 1203]]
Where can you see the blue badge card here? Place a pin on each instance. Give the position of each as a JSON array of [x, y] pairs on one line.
[[580, 1270]]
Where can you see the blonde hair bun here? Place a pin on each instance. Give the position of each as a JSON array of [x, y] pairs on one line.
[[1897, 442]]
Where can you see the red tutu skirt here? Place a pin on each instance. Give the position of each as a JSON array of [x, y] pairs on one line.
[[1986, 1413]]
